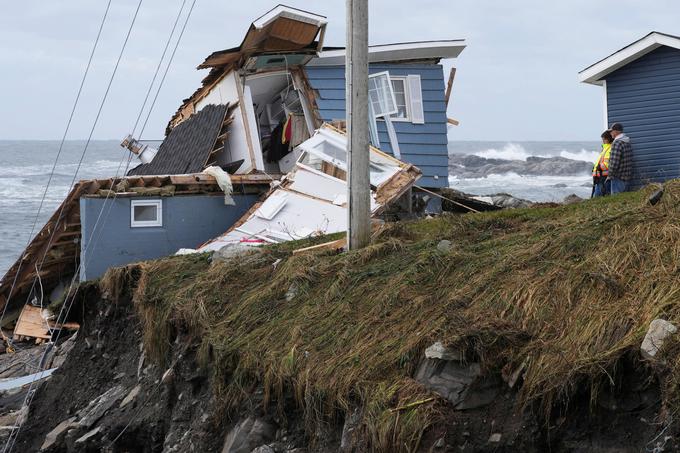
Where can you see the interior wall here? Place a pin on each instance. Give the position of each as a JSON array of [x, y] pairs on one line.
[[236, 148]]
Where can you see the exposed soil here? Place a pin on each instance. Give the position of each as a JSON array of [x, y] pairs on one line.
[[177, 413]]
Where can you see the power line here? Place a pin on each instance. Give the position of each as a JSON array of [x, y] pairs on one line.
[[56, 160], [31, 390], [193, 3], [68, 304]]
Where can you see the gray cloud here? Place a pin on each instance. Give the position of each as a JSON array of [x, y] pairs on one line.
[[515, 81]]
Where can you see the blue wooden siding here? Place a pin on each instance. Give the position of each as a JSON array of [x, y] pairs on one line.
[[424, 145], [644, 96], [188, 221]]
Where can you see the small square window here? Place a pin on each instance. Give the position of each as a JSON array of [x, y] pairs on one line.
[[146, 213]]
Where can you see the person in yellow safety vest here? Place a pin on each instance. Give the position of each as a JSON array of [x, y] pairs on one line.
[[601, 167]]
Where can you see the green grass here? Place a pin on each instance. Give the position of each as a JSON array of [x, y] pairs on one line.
[[569, 289]]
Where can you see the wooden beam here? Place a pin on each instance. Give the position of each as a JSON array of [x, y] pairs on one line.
[[333, 245], [452, 121], [449, 86], [201, 178]]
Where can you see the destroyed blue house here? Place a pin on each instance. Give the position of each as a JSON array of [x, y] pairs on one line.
[[256, 155], [641, 90]]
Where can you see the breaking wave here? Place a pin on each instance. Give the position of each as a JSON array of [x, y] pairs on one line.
[[515, 151], [511, 151], [583, 155], [529, 187]]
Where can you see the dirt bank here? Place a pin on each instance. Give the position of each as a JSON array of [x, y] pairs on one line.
[[539, 342]]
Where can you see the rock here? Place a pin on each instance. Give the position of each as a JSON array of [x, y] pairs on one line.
[[130, 396], [140, 364], [349, 429], [444, 246], [440, 443], [439, 351], [168, 376], [460, 383], [511, 377], [247, 435], [495, 438], [230, 251], [471, 166], [658, 331], [572, 199], [99, 406], [505, 200], [10, 418], [292, 292], [57, 433], [263, 449], [655, 197], [89, 435]]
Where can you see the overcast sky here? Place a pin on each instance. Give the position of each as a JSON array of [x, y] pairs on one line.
[[516, 80]]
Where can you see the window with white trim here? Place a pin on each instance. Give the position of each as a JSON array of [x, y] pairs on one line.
[[380, 96], [409, 99], [401, 95], [146, 213]]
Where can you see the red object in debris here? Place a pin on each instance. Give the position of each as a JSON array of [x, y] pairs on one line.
[[253, 240]]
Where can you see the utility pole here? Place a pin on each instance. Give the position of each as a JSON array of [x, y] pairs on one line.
[[356, 94]]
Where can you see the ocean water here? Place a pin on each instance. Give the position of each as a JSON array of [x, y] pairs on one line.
[[25, 167], [562, 176]]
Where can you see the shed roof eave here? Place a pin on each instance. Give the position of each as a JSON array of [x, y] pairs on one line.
[[422, 50], [290, 13], [595, 73]]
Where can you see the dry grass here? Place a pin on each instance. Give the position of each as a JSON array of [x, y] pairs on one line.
[[569, 289]]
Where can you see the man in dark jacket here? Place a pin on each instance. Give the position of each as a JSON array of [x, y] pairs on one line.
[[620, 160]]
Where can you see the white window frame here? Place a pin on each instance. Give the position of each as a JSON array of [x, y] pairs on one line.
[[378, 75], [407, 99], [158, 204]]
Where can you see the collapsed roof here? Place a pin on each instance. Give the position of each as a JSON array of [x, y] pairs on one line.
[[188, 147], [289, 37]]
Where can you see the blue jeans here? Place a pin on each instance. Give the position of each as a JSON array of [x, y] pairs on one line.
[[617, 185], [602, 188]]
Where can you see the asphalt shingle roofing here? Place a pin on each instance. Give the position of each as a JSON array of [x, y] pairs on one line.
[[186, 148]]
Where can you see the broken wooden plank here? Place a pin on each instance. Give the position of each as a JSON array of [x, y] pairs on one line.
[[452, 121], [449, 86], [65, 325], [447, 199], [253, 178], [332, 245], [31, 324]]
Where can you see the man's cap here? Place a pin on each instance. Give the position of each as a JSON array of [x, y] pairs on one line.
[[616, 127]]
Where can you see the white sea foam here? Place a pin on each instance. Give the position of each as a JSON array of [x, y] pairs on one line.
[[584, 154], [511, 151], [514, 151], [534, 188]]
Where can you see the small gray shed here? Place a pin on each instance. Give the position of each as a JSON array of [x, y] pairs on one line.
[[641, 87]]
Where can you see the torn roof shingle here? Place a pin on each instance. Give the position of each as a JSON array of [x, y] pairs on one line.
[[186, 148]]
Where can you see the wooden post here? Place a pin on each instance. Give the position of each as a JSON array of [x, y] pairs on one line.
[[449, 86], [356, 94]]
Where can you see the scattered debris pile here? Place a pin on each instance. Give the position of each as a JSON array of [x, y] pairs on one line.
[[514, 335]]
